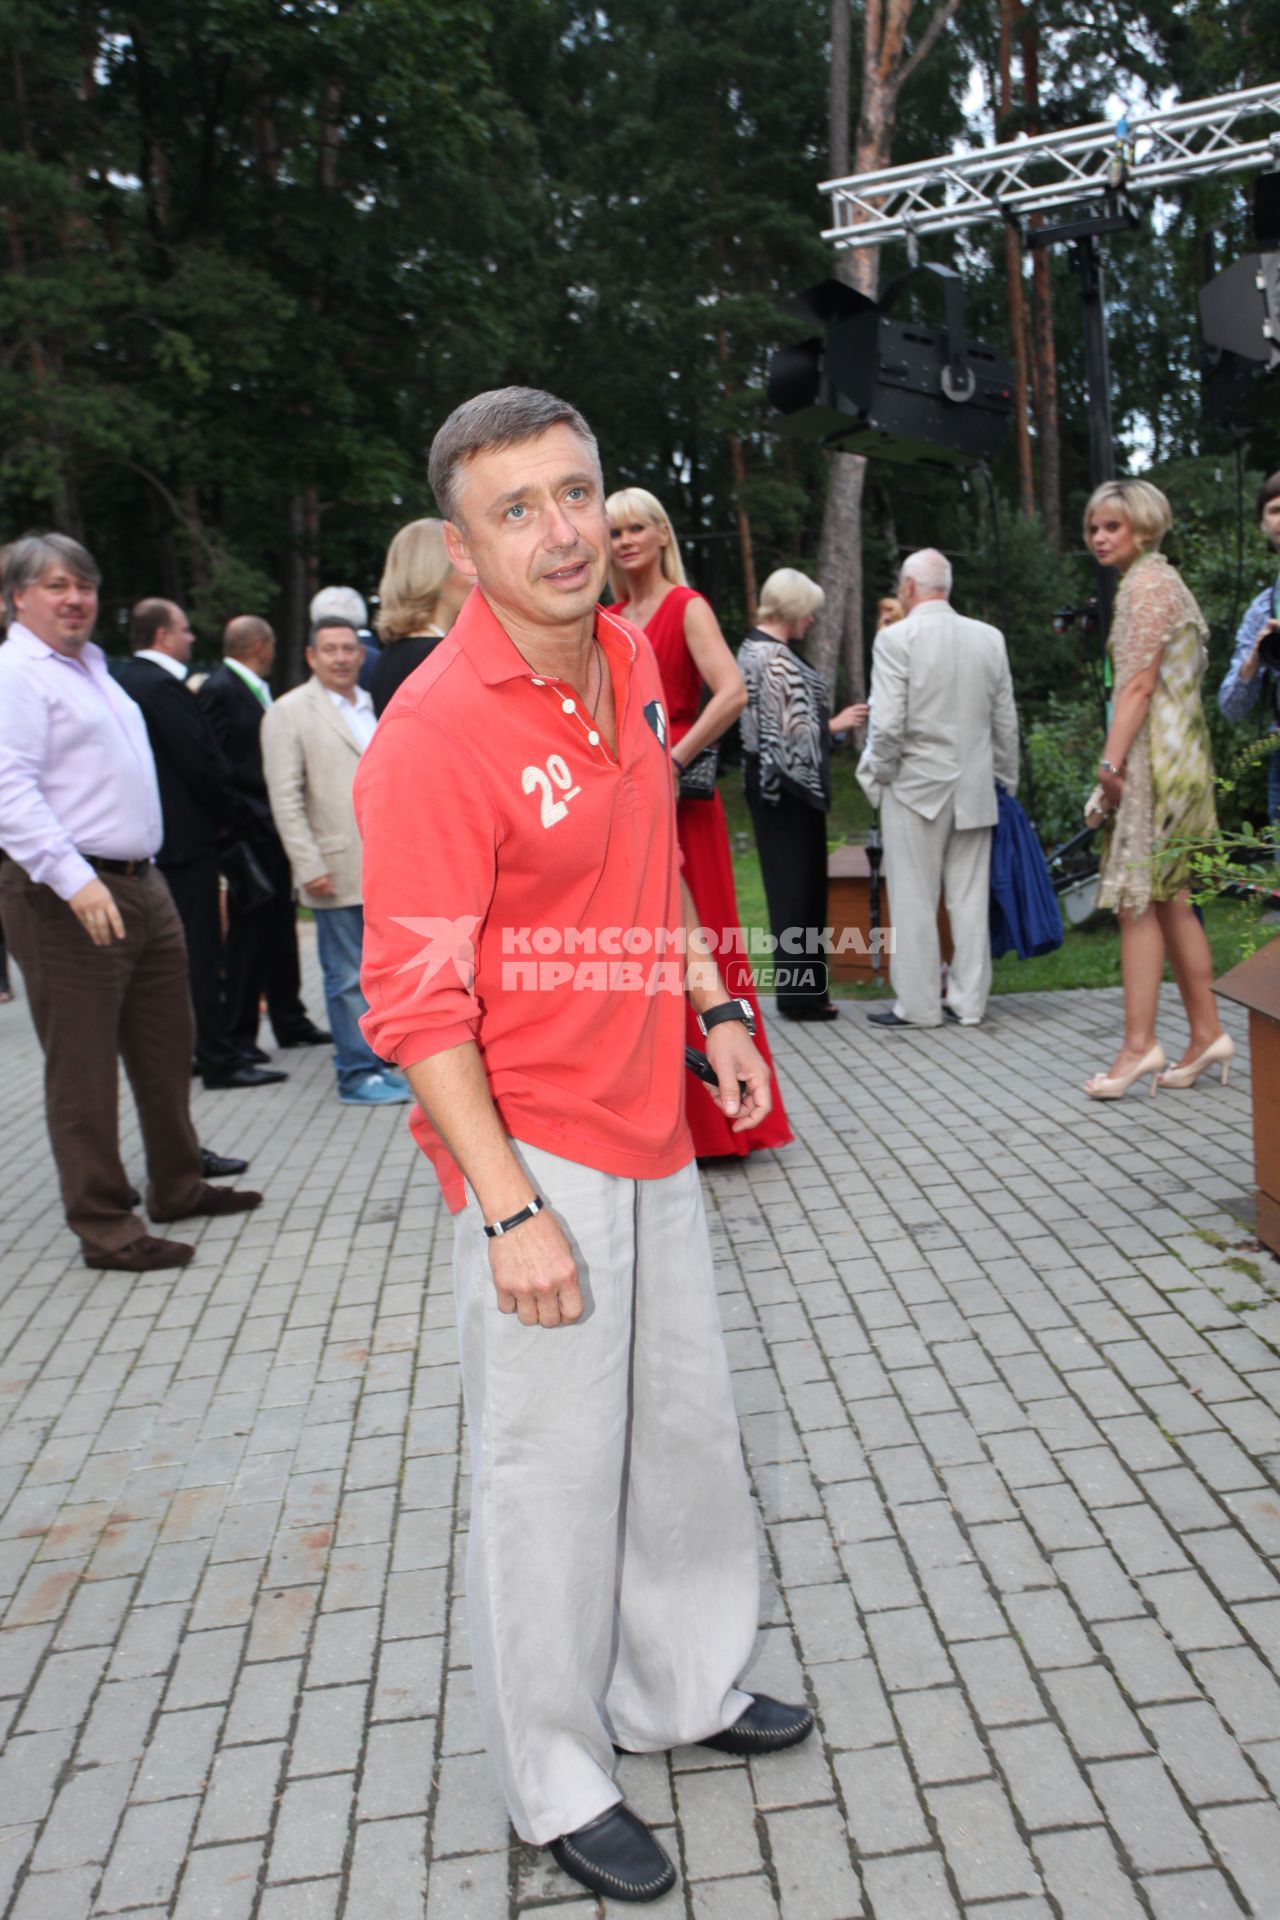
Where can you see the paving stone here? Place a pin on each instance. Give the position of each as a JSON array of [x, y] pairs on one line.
[[311, 1833], [240, 1802], [999, 1683], [1143, 1809], [940, 1735], [981, 1842], [179, 1755], [302, 1900], [1085, 1877], [811, 1860], [220, 1883], [1145, 1662], [471, 1889], [717, 1822], [148, 1855], [1191, 1896], [56, 1896], [85, 1815], [1047, 1785], [910, 1886], [1099, 1724], [1248, 1841], [746, 1899]]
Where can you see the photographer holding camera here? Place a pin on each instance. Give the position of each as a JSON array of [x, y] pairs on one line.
[[1255, 663]]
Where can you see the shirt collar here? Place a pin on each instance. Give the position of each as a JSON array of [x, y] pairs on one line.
[[34, 648], [495, 656], [360, 701], [165, 660], [247, 673]]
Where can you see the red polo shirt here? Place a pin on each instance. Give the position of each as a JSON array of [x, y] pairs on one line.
[[521, 889]]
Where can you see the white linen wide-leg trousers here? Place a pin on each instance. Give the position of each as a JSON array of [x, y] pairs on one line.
[[925, 859], [612, 1571]]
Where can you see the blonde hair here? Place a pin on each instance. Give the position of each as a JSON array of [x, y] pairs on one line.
[[637, 503], [413, 578], [1145, 508], [888, 603], [789, 596]]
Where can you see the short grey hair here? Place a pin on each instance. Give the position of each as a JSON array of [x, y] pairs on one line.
[[503, 417], [930, 570], [789, 596], [326, 624], [27, 559], [346, 602]]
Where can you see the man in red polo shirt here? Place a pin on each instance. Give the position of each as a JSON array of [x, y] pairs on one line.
[[527, 948]]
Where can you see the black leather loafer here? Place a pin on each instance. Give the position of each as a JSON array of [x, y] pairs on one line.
[[616, 1856], [886, 1017], [767, 1726], [220, 1166]]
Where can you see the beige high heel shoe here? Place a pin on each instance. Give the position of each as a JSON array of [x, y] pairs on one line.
[[1115, 1086], [1222, 1049]]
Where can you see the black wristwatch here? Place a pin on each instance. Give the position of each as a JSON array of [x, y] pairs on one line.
[[728, 1010], [500, 1227]]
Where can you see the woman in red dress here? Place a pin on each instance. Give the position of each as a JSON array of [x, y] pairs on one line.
[[648, 580]]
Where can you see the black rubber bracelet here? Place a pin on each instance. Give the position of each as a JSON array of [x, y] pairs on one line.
[[500, 1227]]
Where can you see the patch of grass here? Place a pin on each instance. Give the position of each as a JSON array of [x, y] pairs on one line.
[[1247, 1269], [1088, 957]]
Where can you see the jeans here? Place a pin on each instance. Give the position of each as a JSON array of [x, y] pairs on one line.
[[339, 938]]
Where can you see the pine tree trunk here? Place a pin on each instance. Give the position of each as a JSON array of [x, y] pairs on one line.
[[1044, 354], [1013, 277], [886, 67]]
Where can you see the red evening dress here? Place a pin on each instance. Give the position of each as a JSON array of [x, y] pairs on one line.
[[708, 870]]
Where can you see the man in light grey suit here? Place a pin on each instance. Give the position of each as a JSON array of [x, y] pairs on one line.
[[944, 729], [312, 740]]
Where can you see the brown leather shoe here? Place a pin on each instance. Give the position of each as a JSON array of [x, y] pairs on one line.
[[215, 1200], [143, 1255]]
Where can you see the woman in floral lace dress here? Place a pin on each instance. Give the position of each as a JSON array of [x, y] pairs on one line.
[[1156, 786]]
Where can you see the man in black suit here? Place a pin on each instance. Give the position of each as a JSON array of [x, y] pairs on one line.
[[199, 805], [262, 942]]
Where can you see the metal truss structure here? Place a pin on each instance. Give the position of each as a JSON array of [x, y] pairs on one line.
[[1152, 151]]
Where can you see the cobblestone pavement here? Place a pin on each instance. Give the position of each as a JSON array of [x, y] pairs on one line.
[[1010, 1396]]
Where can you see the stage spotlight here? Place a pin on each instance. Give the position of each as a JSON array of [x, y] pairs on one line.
[[893, 389]]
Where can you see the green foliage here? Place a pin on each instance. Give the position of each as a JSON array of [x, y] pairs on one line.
[[1062, 749]]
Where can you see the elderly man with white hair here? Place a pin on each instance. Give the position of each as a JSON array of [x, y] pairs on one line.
[[944, 730]]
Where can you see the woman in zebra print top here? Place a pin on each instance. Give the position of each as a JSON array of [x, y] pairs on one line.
[[786, 746]]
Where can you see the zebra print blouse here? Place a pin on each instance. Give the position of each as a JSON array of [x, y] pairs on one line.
[[785, 722]]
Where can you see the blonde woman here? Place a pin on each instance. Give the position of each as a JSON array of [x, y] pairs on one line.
[[786, 770], [648, 580], [889, 611], [419, 598], [1155, 784]]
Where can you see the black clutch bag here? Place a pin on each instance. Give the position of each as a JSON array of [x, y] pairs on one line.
[[698, 779], [247, 884]]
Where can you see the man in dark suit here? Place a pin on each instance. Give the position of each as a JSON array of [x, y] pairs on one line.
[[262, 942], [200, 806]]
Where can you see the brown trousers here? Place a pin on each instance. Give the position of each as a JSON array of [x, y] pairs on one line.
[[92, 1006]]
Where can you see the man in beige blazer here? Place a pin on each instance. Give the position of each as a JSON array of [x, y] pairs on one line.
[[944, 730], [312, 740]]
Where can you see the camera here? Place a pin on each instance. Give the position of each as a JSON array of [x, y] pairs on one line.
[[1064, 618], [1269, 650]]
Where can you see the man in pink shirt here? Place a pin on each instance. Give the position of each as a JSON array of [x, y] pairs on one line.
[[526, 934], [88, 918]]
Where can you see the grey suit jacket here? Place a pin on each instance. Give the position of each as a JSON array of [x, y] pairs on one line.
[[943, 720], [310, 756]]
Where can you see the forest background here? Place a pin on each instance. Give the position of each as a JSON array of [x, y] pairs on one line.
[[257, 251]]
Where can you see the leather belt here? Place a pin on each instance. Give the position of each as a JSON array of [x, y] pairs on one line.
[[126, 869]]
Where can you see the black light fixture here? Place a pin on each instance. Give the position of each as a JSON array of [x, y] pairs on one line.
[[893, 389], [1240, 318]]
